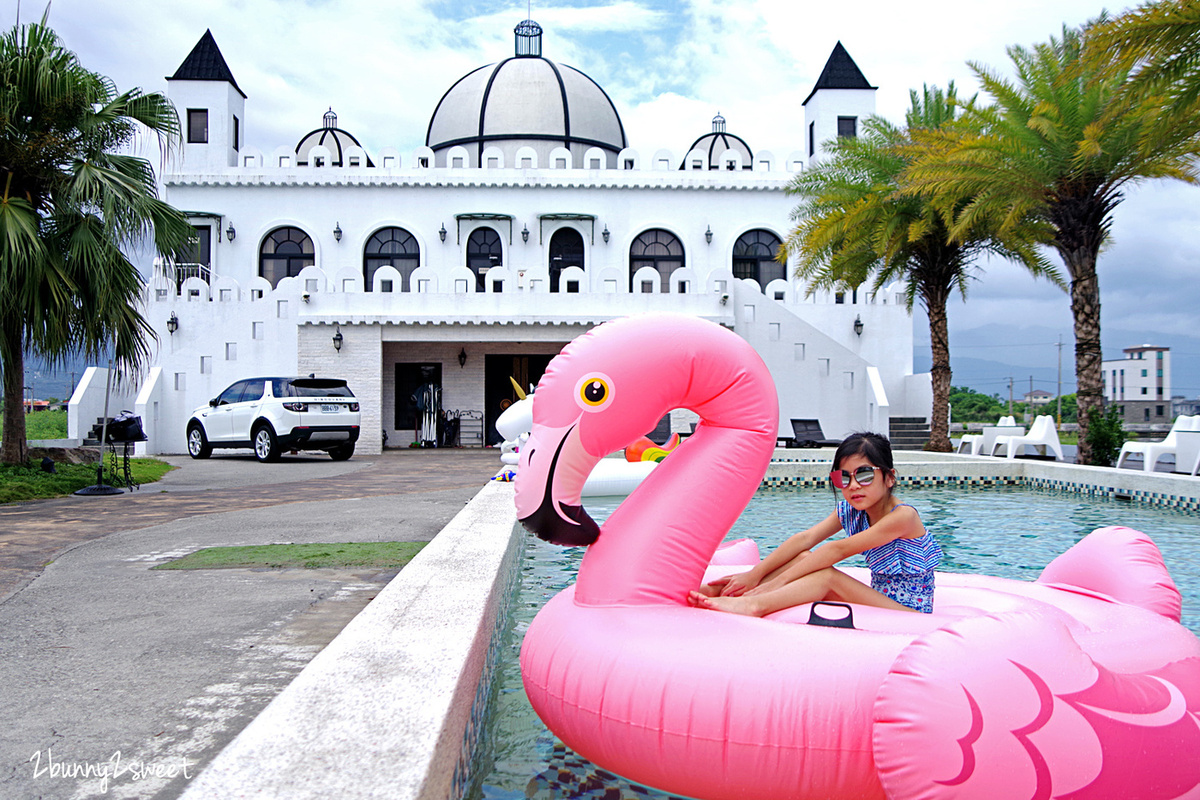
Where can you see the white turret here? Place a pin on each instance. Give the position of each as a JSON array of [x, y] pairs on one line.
[[839, 101], [212, 109]]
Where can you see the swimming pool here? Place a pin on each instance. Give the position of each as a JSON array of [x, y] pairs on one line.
[[1005, 531]]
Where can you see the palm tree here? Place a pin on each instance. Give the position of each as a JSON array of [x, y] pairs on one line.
[[1162, 39], [856, 221], [71, 204], [1057, 147]]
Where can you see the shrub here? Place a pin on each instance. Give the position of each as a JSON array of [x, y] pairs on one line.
[[1106, 434]]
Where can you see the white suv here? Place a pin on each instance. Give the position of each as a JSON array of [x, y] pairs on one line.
[[272, 415]]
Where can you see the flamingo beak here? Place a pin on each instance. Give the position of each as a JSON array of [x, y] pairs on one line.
[[548, 500]]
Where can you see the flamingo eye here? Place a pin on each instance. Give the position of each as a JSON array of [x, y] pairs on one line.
[[594, 392]]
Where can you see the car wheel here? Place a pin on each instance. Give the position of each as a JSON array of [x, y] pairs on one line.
[[342, 453], [197, 443], [266, 446]]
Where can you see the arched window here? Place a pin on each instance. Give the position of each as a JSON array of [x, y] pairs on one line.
[[284, 253], [754, 257], [566, 250], [393, 247], [484, 251], [659, 249]]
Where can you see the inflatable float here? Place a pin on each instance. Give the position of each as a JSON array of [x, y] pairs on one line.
[[1082, 685], [610, 477]]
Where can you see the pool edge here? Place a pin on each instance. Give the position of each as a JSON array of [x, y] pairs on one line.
[[391, 707], [1167, 490]]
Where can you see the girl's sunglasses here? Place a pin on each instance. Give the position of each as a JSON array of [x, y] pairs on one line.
[[864, 475]]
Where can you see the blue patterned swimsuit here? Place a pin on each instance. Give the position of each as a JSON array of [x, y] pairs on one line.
[[902, 569]]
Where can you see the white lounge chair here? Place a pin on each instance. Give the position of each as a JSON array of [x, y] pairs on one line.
[[1187, 451], [978, 444], [1041, 436], [1151, 452]]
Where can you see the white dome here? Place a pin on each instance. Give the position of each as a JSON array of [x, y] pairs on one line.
[[524, 101], [329, 135], [715, 145]]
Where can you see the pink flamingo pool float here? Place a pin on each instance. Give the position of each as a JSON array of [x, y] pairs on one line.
[[1082, 685]]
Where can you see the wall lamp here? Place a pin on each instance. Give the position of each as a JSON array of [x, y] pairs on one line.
[[858, 326], [337, 231], [337, 339], [708, 235], [172, 323], [442, 232], [525, 233], [230, 233], [605, 233], [462, 358]]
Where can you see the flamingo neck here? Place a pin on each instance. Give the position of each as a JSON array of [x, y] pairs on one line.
[[653, 549]]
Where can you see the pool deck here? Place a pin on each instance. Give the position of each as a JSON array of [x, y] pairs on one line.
[[393, 706]]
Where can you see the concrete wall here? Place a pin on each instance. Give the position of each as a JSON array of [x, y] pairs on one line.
[[357, 362], [89, 399]]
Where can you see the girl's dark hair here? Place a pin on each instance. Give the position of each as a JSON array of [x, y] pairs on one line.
[[872, 446]]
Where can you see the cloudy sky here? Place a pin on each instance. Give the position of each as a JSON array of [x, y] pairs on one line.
[[669, 66]]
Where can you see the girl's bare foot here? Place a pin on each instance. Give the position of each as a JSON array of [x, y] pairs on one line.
[[747, 606]]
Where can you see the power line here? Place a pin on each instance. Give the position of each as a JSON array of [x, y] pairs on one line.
[[977, 346]]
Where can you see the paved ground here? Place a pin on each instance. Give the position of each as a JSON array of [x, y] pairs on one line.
[[111, 667]]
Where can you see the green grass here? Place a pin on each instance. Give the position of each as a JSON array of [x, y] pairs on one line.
[[306, 556], [44, 425], [21, 483]]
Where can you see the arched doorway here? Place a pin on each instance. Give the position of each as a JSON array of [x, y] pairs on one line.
[[659, 249], [484, 251], [566, 250], [754, 257]]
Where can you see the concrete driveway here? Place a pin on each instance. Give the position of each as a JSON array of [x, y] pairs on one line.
[[121, 681]]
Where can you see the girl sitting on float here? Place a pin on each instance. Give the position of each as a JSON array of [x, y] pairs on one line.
[[902, 555]]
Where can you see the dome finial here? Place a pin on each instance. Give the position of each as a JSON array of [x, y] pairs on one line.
[[718, 123], [330, 119], [529, 39]]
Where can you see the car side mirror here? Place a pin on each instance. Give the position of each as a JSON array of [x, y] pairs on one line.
[[213, 402]]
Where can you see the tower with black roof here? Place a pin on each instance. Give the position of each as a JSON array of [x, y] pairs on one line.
[[211, 106], [837, 104]]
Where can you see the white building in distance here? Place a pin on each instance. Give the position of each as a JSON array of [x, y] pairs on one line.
[[1140, 384], [526, 219]]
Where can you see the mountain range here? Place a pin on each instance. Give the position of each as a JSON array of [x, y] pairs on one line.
[[987, 357]]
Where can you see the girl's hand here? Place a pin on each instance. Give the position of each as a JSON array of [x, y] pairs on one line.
[[736, 585]]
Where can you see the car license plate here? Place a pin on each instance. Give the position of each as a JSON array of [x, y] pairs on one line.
[[329, 408]]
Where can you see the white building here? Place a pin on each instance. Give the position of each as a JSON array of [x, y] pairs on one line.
[[526, 219], [1038, 398], [1140, 384]]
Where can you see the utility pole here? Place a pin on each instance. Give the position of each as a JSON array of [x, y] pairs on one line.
[[1010, 392], [1059, 416]]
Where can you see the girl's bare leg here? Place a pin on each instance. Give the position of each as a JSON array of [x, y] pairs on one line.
[[710, 590], [826, 584]]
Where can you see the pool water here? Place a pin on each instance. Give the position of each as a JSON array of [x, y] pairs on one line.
[[1010, 532]]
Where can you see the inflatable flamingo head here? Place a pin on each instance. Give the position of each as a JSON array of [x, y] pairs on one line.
[[610, 387]]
